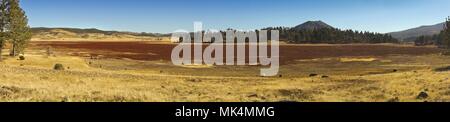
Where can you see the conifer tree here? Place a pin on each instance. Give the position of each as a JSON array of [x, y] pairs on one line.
[[3, 23], [19, 31], [446, 34]]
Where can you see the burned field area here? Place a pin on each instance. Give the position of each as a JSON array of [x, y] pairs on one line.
[[288, 53]]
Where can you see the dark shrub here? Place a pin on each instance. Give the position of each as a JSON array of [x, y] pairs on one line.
[[21, 57], [422, 95], [442, 69], [58, 67]]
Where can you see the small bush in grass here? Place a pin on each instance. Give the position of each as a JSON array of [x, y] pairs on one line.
[[22, 57], [422, 95], [58, 67]]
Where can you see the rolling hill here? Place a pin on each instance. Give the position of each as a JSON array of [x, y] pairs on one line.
[[76, 34], [428, 30]]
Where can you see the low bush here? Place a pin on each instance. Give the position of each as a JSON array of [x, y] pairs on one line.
[[21, 57], [58, 67]]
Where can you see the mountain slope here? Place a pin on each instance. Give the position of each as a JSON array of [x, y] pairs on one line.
[[419, 31], [312, 25]]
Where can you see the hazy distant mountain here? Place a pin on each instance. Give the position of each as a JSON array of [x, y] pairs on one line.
[[312, 25], [419, 31]]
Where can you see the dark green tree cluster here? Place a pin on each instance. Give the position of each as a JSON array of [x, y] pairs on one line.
[[445, 34], [3, 25], [13, 27], [331, 36], [428, 40]]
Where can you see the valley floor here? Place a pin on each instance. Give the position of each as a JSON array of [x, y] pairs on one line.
[[380, 78]]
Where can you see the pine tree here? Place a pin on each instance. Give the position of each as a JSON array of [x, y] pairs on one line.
[[446, 34], [19, 31], [3, 23]]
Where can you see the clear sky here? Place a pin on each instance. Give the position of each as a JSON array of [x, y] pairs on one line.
[[169, 15]]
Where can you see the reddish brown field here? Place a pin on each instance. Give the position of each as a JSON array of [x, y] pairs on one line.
[[288, 53]]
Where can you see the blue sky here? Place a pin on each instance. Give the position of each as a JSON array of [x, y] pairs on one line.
[[169, 15]]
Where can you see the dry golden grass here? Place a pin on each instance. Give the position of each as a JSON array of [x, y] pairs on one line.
[[132, 81], [357, 59]]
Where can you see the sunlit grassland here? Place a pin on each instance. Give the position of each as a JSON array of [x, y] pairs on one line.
[[339, 79]]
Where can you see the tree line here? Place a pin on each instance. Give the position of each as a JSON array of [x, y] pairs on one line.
[[331, 36], [426, 40], [14, 27], [317, 36], [442, 39]]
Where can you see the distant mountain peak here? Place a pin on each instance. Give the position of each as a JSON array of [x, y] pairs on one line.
[[312, 25]]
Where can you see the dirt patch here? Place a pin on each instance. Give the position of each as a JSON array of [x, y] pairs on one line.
[[6, 91], [195, 80], [350, 84], [383, 71], [299, 94]]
